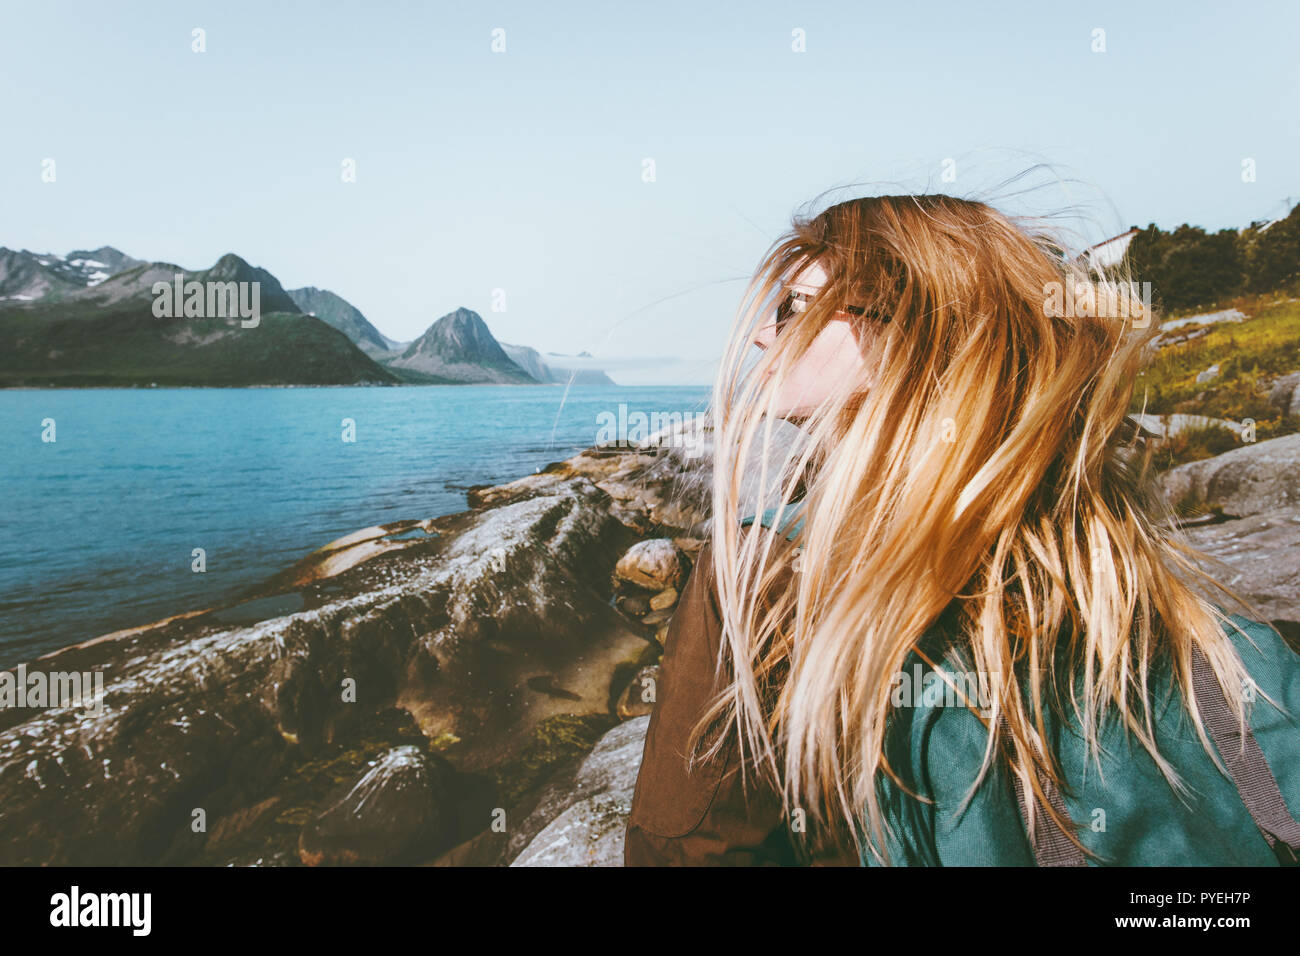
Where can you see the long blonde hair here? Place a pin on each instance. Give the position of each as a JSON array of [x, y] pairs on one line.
[[988, 477]]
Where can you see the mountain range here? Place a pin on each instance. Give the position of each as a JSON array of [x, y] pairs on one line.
[[93, 318], [106, 332], [27, 276]]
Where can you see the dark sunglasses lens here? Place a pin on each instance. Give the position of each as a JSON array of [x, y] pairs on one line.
[[784, 312]]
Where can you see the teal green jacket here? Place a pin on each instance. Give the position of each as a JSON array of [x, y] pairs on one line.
[[1127, 812]]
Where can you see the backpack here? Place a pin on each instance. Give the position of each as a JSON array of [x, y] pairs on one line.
[[1241, 756]]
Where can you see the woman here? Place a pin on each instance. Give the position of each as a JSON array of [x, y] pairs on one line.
[[964, 632]]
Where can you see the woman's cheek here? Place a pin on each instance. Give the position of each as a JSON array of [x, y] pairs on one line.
[[831, 361]]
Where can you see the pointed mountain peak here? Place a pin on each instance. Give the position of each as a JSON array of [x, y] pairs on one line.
[[230, 265], [463, 316], [459, 346], [464, 328], [232, 268], [105, 258]]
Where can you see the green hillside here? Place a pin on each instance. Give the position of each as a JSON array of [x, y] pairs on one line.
[[124, 344], [1250, 355]]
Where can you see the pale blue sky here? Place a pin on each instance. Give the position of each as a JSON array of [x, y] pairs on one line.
[[523, 170]]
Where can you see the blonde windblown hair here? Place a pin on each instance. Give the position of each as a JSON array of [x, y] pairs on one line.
[[988, 478]]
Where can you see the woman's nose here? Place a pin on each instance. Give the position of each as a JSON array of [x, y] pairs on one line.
[[765, 335]]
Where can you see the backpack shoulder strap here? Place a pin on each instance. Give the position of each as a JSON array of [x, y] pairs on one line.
[[1246, 764], [1244, 760], [1051, 846]]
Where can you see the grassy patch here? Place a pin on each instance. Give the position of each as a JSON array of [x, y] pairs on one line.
[[1250, 356]]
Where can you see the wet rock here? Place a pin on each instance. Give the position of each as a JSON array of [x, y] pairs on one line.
[[589, 833], [634, 605], [543, 483], [655, 565], [235, 825], [397, 811], [351, 550], [581, 821], [664, 600], [638, 698], [655, 618], [636, 519]]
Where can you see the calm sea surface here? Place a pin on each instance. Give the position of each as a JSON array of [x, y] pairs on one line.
[[98, 527]]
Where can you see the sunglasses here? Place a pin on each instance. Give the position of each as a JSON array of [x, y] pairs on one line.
[[797, 302]]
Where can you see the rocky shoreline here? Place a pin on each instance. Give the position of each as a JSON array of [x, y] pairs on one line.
[[465, 690], [436, 673]]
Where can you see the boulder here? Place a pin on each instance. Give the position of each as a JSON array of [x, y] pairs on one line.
[[491, 633], [1256, 552], [1253, 479], [584, 819], [656, 565], [588, 833], [663, 600], [634, 605], [1284, 394], [647, 489], [398, 811], [656, 618], [1258, 557]]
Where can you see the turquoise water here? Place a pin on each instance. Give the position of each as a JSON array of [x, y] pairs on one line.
[[99, 526]]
